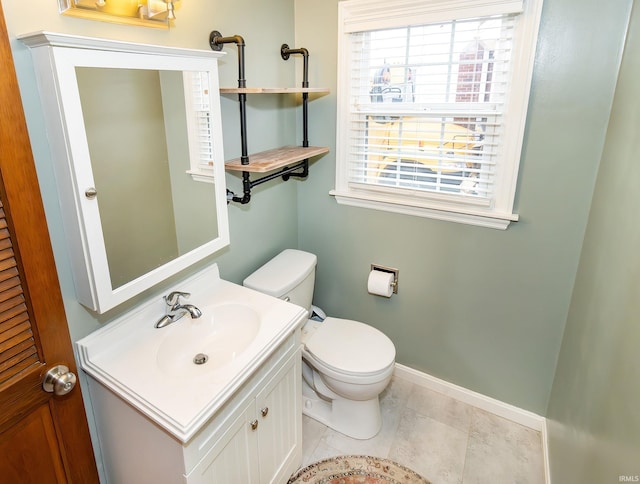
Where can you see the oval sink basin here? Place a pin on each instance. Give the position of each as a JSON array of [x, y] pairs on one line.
[[213, 340]]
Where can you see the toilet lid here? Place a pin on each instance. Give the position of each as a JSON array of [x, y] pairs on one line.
[[350, 346]]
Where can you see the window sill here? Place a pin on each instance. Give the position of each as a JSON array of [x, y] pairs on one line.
[[450, 214], [202, 176]]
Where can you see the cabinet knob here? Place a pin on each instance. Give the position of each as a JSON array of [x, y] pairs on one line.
[[264, 411], [91, 193], [254, 424]]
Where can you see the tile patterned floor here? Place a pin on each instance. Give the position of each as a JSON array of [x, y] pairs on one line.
[[443, 439]]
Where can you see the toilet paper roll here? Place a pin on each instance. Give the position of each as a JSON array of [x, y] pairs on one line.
[[380, 283]]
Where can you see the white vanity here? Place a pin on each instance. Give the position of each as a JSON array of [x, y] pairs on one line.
[[163, 418]]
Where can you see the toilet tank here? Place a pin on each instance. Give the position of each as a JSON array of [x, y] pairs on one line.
[[290, 274]]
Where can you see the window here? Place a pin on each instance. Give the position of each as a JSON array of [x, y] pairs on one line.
[[199, 124], [432, 105]]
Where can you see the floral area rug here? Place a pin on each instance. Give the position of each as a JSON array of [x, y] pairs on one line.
[[356, 469]]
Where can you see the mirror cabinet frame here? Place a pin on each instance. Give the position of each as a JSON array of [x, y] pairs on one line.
[[56, 57]]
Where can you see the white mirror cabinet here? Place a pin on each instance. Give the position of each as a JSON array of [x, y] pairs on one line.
[[136, 141]]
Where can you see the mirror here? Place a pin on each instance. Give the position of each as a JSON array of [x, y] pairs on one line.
[[157, 212], [136, 140]]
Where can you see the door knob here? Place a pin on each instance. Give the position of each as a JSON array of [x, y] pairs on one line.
[[59, 380]]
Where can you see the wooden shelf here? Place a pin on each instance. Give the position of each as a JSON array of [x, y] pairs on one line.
[[272, 90], [277, 158]]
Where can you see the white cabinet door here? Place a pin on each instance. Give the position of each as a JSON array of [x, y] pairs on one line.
[[279, 414], [262, 439], [233, 459]]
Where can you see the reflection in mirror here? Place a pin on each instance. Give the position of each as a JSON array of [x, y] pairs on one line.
[[151, 210]]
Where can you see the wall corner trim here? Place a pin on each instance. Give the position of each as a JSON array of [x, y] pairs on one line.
[[545, 452]]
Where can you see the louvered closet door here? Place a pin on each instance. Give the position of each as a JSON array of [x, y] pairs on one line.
[[17, 346], [28, 436], [43, 438]]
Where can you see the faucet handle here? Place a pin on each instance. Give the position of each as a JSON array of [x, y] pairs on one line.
[[173, 297]]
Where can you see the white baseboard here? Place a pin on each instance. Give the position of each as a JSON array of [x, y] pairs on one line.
[[504, 410], [501, 409]]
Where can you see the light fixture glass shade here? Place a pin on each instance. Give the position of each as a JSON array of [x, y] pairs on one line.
[[149, 13]]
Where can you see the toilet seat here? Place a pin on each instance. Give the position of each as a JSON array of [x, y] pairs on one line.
[[355, 379], [349, 348]]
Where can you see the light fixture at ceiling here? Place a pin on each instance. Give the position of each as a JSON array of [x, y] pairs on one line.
[[151, 13], [158, 10], [171, 15]]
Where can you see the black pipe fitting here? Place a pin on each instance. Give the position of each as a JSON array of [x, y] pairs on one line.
[[216, 41], [285, 52]]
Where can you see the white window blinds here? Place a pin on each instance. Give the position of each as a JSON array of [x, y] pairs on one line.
[[426, 106], [198, 101]]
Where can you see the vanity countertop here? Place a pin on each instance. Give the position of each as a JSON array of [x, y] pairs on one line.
[[153, 370]]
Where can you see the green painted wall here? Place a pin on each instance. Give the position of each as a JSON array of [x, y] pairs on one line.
[[481, 308], [594, 422]]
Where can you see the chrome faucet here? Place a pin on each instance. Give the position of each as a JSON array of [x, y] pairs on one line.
[[175, 310]]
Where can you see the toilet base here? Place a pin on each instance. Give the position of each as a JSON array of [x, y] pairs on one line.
[[356, 419]]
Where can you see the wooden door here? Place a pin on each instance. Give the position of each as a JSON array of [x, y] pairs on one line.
[[43, 438]]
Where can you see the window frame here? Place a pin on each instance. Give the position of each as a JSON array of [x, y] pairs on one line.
[[198, 107], [363, 15]]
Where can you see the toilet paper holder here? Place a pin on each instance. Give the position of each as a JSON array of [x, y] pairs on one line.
[[391, 270]]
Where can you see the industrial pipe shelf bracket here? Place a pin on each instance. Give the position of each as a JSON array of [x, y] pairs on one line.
[[216, 42]]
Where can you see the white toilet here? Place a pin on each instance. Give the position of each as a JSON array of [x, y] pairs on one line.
[[346, 364]]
